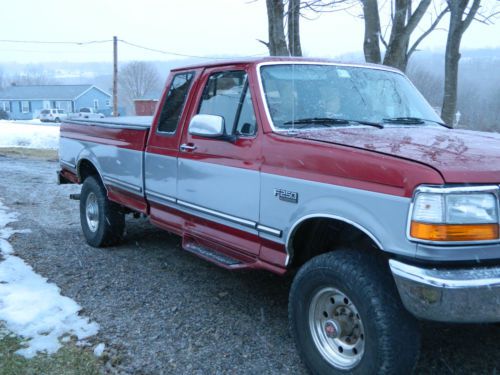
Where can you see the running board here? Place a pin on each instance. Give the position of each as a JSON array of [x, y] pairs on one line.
[[212, 255]]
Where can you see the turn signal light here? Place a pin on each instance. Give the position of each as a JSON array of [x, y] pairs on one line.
[[454, 232]]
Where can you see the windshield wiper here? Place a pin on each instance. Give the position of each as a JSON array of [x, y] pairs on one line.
[[411, 121], [327, 121], [330, 121]]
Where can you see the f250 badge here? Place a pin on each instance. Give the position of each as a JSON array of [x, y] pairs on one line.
[[287, 196]]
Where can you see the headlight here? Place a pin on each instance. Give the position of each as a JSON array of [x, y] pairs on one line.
[[455, 214]]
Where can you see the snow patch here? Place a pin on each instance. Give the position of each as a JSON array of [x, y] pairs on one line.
[[33, 308], [29, 135], [99, 350]]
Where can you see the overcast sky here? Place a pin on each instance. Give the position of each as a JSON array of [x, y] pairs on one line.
[[191, 27]]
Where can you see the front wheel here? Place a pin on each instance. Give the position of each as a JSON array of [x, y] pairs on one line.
[[347, 318], [102, 221]]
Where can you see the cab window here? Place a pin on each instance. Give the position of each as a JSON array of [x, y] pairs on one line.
[[175, 101], [226, 95]]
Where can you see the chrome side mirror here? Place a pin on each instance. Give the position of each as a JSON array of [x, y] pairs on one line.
[[209, 126]]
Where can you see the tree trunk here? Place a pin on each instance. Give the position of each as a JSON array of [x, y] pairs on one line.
[[452, 59], [371, 44], [396, 51], [293, 28], [458, 25], [277, 41], [404, 23]]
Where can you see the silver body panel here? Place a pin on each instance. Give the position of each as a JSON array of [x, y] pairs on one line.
[[381, 216], [229, 190], [119, 167], [160, 177]]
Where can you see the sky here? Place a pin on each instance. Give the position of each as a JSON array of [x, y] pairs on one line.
[[188, 27]]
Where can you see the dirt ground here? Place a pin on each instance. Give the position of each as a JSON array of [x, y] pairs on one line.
[[164, 311]]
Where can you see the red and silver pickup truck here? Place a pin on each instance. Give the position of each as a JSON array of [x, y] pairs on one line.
[[340, 173]]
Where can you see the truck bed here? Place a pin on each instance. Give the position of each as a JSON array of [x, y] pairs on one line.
[[121, 122], [115, 146]]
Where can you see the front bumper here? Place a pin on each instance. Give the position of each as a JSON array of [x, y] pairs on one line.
[[449, 295]]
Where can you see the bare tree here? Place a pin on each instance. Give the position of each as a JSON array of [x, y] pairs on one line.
[[33, 76], [138, 78], [276, 29], [462, 12], [371, 42], [293, 17], [402, 24]]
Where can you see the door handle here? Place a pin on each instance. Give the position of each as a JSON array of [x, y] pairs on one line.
[[186, 147]]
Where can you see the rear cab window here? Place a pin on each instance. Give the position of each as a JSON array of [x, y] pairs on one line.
[[175, 102]]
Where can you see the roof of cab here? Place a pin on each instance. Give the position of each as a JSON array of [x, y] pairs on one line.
[[260, 60]]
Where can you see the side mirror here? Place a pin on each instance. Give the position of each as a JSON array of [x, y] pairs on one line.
[[209, 126]]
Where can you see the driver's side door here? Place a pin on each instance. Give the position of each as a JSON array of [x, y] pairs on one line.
[[218, 178]]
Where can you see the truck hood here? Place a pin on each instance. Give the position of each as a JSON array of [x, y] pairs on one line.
[[461, 156]]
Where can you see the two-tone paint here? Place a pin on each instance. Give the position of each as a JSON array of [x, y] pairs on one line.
[[222, 194]]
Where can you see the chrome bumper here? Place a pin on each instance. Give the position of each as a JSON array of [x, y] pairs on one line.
[[449, 295]]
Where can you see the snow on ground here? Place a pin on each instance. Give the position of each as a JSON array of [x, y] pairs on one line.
[[30, 306], [29, 134]]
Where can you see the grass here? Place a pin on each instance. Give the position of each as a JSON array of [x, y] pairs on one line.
[[31, 153], [69, 360]]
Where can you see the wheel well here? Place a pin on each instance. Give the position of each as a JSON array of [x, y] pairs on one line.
[[87, 169], [316, 236]]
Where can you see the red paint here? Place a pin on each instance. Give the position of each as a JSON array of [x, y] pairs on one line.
[[70, 176], [123, 197], [461, 156], [391, 161], [133, 139]]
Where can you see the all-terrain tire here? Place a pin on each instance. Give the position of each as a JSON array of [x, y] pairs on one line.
[[356, 296], [102, 221]]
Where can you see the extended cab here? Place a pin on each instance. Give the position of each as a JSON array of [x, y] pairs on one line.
[[341, 173]]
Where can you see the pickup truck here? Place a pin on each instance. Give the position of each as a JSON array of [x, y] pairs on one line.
[[88, 113], [340, 174]]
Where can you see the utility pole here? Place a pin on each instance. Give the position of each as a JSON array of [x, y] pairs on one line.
[[115, 76]]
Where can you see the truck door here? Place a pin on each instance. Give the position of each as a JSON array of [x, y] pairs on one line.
[[219, 178], [160, 158]]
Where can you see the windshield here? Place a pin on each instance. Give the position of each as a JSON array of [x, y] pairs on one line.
[[302, 92]]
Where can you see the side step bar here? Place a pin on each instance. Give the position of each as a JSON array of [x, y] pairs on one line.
[[212, 255]]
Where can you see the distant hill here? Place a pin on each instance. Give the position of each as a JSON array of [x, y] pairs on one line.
[[479, 80]]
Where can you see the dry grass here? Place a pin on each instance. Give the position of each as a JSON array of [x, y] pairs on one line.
[[69, 360], [30, 153]]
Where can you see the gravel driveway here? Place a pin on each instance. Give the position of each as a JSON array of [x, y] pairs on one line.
[[164, 311]]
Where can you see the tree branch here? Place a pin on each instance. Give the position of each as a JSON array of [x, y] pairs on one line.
[[416, 16], [470, 16], [428, 31]]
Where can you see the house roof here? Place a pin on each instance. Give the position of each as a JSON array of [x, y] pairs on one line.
[[45, 92]]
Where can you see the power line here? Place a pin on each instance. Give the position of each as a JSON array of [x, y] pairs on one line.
[[54, 42], [169, 52], [80, 43]]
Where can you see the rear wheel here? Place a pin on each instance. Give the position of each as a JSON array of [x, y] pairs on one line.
[[102, 221], [347, 318]]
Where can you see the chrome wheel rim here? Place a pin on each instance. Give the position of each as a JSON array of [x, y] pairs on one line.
[[92, 212], [336, 328]]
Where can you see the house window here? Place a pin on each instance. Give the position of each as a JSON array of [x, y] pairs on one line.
[[108, 103], [96, 104], [5, 106], [25, 106], [46, 104]]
